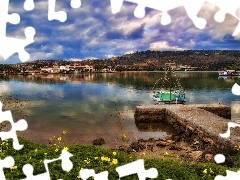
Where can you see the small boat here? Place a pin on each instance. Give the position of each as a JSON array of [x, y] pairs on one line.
[[173, 95], [169, 97], [229, 73]]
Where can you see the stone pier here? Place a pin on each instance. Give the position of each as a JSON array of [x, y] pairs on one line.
[[207, 121]]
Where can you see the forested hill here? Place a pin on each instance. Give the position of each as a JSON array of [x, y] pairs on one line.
[[202, 60], [155, 60]]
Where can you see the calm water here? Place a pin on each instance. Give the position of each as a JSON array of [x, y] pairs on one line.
[[89, 106]]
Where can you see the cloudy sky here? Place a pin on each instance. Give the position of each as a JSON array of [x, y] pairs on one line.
[[93, 31]]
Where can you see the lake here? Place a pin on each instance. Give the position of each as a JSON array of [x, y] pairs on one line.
[[92, 105]]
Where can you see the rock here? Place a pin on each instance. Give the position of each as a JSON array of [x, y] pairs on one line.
[[125, 149], [151, 140], [136, 146], [175, 147], [169, 142], [195, 155], [98, 142], [176, 138], [209, 157], [150, 146], [168, 137], [161, 144]]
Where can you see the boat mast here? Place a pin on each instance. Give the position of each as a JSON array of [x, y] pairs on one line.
[[171, 67]]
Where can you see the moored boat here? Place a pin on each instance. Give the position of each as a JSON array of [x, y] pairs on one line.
[[175, 94], [229, 73]]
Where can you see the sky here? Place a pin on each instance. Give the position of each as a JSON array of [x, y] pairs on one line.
[[94, 31]]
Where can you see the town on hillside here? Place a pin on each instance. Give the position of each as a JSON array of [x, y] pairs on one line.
[[188, 60]]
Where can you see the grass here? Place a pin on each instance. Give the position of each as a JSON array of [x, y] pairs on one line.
[[100, 159]]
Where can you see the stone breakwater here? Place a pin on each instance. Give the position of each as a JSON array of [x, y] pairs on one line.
[[201, 122]]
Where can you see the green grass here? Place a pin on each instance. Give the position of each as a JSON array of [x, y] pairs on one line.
[[92, 157]]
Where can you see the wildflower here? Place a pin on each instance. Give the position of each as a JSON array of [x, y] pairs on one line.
[[78, 176], [59, 138], [56, 150], [114, 153], [123, 136], [66, 148], [45, 154], [64, 132], [114, 161], [35, 150], [166, 153], [205, 171], [87, 161], [96, 158], [107, 159], [211, 171], [13, 167]]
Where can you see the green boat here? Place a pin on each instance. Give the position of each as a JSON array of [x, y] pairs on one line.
[[171, 95]]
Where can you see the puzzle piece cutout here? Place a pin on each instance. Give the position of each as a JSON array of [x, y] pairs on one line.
[[6, 42], [137, 167], [227, 7], [5, 163], [87, 173], [236, 89], [60, 15], [67, 165], [230, 175], [230, 125], [192, 9], [21, 125], [28, 5], [219, 158]]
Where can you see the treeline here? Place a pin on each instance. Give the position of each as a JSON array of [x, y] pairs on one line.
[[202, 60], [148, 60]]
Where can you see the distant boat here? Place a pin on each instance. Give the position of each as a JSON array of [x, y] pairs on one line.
[[172, 95], [229, 73]]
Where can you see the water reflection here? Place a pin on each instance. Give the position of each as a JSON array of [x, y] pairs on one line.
[[93, 105]]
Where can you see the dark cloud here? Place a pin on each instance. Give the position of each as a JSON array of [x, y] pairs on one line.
[[136, 33], [117, 34]]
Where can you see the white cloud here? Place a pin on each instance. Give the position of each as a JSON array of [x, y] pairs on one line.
[[164, 46], [4, 89]]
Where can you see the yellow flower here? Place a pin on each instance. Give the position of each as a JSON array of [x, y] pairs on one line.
[[56, 150], [123, 136], [114, 153], [59, 139], [103, 158], [144, 153], [35, 150], [211, 171], [45, 154], [66, 148], [87, 161], [96, 158], [13, 167], [205, 171], [114, 161], [166, 153], [64, 132]]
